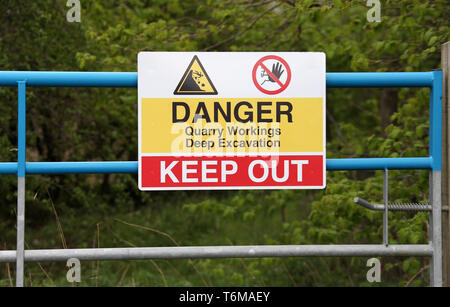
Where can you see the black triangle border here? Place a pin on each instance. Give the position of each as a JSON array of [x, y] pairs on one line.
[[185, 74]]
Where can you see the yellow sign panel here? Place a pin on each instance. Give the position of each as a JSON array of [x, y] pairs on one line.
[[227, 125]]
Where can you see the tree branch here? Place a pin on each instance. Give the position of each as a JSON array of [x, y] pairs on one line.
[[233, 37]]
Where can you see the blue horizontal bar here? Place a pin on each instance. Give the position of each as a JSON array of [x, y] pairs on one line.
[[380, 79], [129, 79], [379, 163], [69, 78], [82, 167], [8, 168], [132, 166]]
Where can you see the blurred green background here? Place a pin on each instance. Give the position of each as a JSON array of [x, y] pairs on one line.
[[93, 124]]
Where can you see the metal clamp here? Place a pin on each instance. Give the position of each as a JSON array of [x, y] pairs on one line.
[[396, 206]]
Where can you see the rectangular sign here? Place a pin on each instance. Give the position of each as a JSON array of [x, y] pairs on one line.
[[231, 120]]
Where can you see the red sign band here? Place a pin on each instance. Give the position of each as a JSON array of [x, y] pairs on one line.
[[288, 171]]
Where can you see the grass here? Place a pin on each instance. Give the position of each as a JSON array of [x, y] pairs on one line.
[[190, 221]]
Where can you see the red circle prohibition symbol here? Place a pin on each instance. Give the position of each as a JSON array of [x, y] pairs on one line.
[[283, 86]]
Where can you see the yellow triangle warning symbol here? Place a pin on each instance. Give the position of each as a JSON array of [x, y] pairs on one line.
[[195, 81]]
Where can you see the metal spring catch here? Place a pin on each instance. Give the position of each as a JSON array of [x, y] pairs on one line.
[[396, 206]]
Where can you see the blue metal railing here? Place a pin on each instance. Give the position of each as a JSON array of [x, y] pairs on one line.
[[129, 79], [432, 79]]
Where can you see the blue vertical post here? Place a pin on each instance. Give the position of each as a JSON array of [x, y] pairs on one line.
[[436, 121], [21, 158], [435, 178]]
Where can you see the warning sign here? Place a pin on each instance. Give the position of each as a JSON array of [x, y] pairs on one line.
[[260, 125], [195, 81]]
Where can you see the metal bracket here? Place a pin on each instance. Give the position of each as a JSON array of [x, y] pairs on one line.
[[396, 206]]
